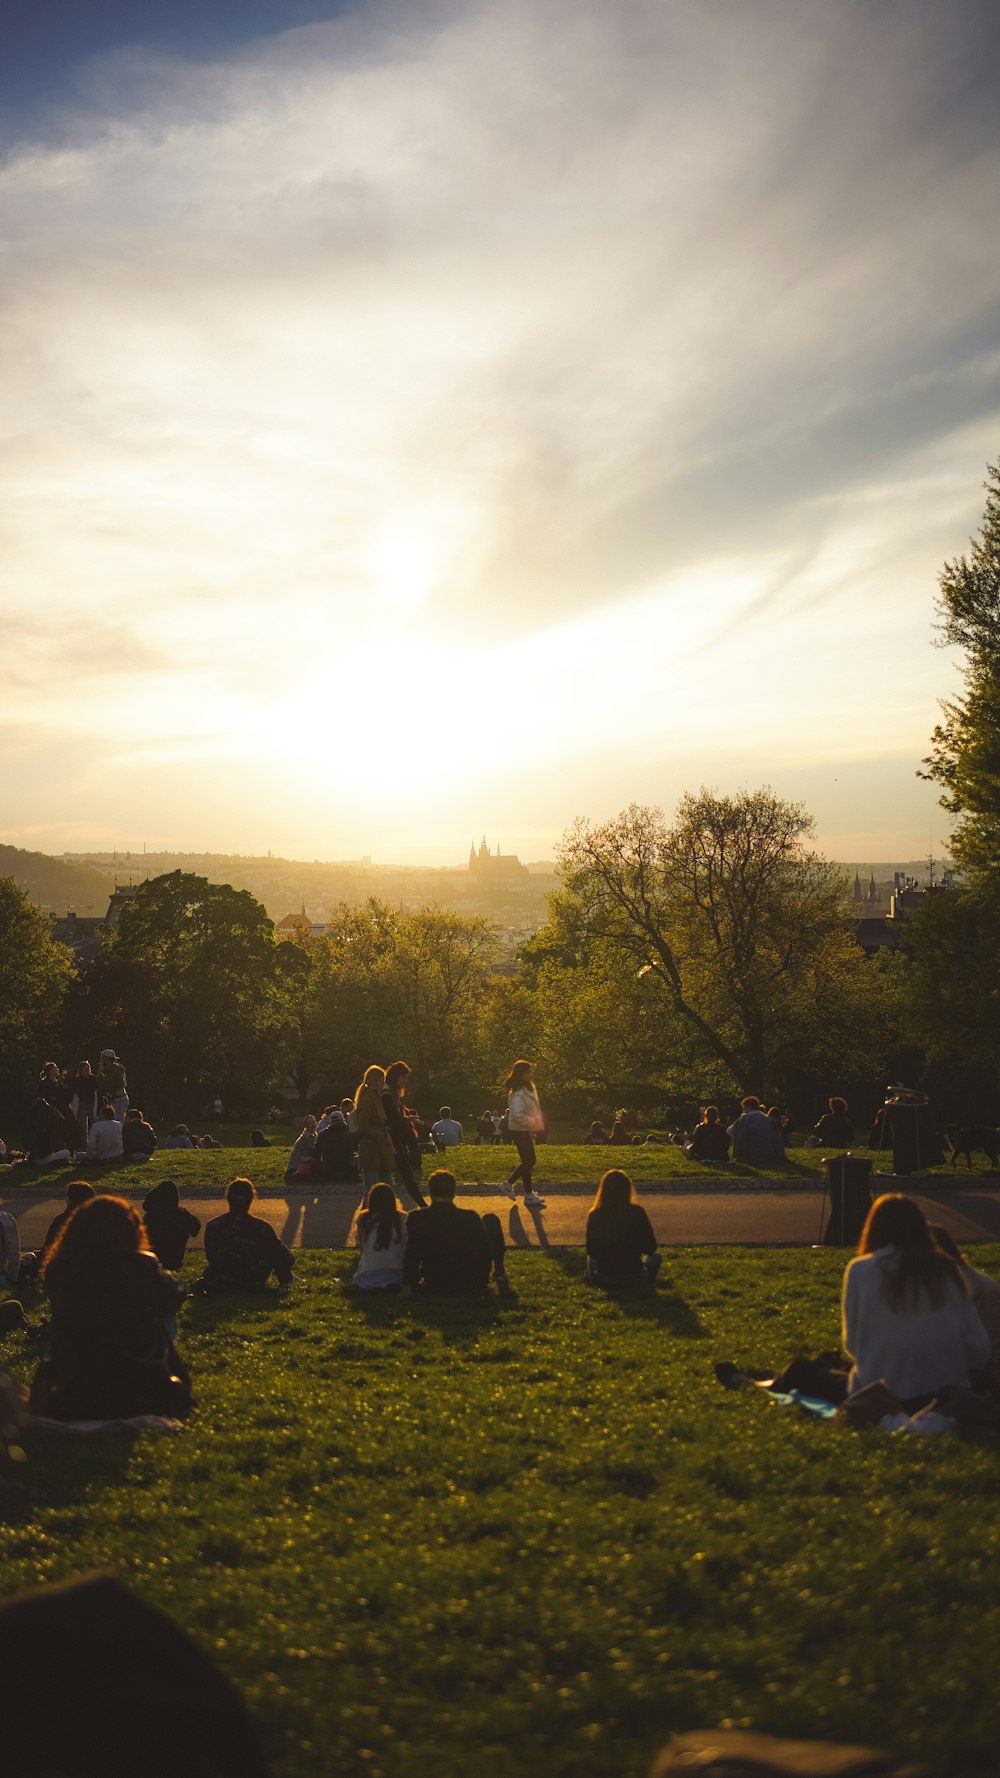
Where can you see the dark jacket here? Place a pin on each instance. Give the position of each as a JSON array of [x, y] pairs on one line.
[[335, 1147], [617, 1240], [447, 1249], [109, 1351], [834, 1128], [242, 1252], [710, 1143], [46, 1129], [138, 1137]]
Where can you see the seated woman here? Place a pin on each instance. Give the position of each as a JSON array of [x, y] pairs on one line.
[[169, 1227], [180, 1137], [138, 1137], [595, 1136], [110, 1355], [78, 1191], [619, 1133], [834, 1128], [907, 1316], [381, 1237], [303, 1149], [104, 1142], [243, 1250], [621, 1245], [709, 1141], [335, 1157]]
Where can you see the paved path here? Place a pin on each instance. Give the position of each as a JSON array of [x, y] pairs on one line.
[[681, 1219]]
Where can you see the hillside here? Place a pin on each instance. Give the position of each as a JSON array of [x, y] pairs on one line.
[[62, 885]]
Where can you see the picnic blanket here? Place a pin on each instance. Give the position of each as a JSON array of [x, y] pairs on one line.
[[929, 1422], [137, 1423]]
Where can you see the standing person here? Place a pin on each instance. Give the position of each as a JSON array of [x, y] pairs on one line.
[[57, 1093], [621, 1245], [84, 1089], [524, 1119], [376, 1154], [405, 1143], [112, 1085]]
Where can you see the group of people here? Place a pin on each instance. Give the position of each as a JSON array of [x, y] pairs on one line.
[[87, 1115]]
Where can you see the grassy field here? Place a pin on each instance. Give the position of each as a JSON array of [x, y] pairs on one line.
[[427, 1538], [209, 1170]]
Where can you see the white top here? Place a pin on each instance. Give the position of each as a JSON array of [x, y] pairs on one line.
[[525, 1112], [448, 1131], [105, 1140], [917, 1351], [383, 1259]]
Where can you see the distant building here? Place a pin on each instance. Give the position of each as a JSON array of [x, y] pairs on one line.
[[293, 923], [81, 936], [486, 867]]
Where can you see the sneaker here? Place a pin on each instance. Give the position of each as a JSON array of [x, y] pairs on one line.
[[509, 1189], [505, 1288], [533, 1201]]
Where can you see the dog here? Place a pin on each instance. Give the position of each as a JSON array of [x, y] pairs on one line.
[[971, 1138]]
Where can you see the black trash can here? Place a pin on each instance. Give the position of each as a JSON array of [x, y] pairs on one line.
[[850, 1199]]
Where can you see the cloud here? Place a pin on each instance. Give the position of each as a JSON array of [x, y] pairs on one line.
[[438, 328]]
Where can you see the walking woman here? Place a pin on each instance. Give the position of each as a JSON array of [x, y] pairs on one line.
[[524, 1120], [406, 1148], [376, 1154]]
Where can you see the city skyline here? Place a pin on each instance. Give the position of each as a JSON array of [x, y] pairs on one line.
[[444, 413]]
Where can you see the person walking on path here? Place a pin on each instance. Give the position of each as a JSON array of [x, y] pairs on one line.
[[376, 1155], [524, 1120]]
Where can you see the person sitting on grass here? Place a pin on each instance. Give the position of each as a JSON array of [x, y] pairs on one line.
[[104, 1143], [709, 1141], [450, 1250], [46, 1134], [447, 1132], [243, 1250], [109, 1352], [138, 1137], [621, 1245], [596, 1136], [984, 1293], [757, 1140], [180, 1137], [620, 1135], [303, 1148], [169, 1227], [335, 1145], [381, 1238], [834, 1128], [78, 1191], [17, 1266]]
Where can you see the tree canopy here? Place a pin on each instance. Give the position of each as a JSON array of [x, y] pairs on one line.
[[34, 971]]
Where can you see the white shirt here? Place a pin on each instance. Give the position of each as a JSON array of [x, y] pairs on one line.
[[525, 1112], [918, 1350], [105, 1140], [382, 1259], [448, 1131]]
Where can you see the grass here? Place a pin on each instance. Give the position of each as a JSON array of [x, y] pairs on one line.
[[210, 1170], [425, 1538]]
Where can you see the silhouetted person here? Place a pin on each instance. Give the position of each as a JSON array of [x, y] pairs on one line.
[[138, 1137], [621, 1245], [757, 1141], [243, 1251], [169, 1227], [709, 1141], [78, 1191], [834, 1128], [449, 1250]]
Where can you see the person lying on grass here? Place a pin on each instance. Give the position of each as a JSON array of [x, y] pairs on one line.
[[243, 1250], [381, 1237], [450, 1250], [621, 1245], [110, 1354]]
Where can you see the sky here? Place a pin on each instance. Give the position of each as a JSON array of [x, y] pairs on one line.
[[429, 417]]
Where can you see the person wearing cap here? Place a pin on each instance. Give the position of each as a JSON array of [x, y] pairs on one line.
[[112, 1085]]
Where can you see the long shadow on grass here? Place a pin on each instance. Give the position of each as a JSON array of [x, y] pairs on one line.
[[460, 1320], [663, 1305]]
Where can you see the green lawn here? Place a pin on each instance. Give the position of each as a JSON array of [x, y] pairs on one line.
[[434, 1538], [211, 1169]]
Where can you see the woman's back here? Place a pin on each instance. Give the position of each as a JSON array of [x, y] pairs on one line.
[[618, 1237], [922, 1345]]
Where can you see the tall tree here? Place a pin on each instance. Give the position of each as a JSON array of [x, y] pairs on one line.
[[34, 973], [736, 923]]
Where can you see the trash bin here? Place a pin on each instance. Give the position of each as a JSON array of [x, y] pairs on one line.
[[850, 1199]]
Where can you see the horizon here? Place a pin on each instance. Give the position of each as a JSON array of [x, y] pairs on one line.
[[418, 430]]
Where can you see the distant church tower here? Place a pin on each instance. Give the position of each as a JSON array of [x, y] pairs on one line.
[[857, 887]]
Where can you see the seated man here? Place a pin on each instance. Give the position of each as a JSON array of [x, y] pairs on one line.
[[757, 1139], [834, 1128], [243, 1250], [180, 1137], [138, 1137], [77, 1192], [450, 1250], [336, 1148], [595, 1136], [709, 1141], [104, 1142], [447, 1132]]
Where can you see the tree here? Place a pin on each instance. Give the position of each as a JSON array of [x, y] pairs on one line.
[[187, 986], [740, 928], [965, 747], [34, 973]]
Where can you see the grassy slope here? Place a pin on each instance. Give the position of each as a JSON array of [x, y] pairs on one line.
[[211, 1169], [540, 1532]]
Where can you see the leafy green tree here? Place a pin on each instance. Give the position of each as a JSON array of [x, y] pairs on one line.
[[188, 988], [737, 927], [34, 974]]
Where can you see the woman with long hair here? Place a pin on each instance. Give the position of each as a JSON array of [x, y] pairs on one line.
[[907, 1317], [381, 1238], [524, 1121], [709, 1141], [376, 1154], [405, 1144], [110, 1355], [621, 1245]]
